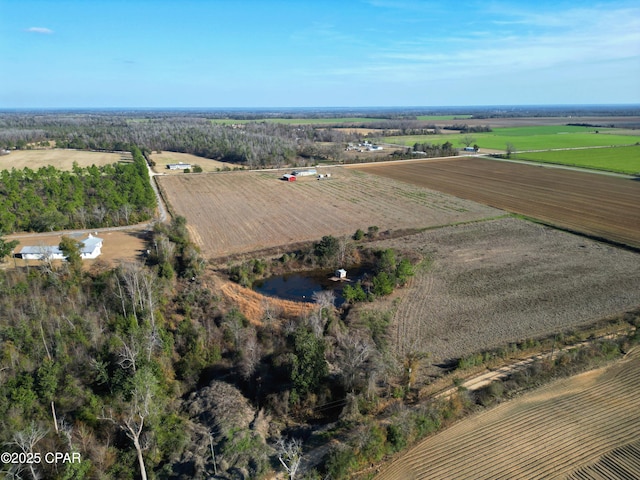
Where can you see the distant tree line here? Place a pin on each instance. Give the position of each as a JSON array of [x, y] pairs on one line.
[[49, 199], [254, 144], [434, 150]]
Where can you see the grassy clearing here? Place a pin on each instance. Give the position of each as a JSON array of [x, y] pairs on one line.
[[62, 159], [165, 158], [529, 138], [615, 159]]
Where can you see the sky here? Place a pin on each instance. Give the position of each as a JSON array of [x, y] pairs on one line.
[[324, 53]]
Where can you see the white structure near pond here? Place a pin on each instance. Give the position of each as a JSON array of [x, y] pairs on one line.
[[341, 273], [91, 248]]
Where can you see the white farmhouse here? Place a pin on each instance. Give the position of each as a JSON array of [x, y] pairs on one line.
[[91, 248]]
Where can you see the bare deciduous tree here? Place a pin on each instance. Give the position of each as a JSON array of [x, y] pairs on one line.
[[290, 455], [355, 352], [251, 353], [26, 441], [467, 140], [325, 299], [128, 353], [132, 419]]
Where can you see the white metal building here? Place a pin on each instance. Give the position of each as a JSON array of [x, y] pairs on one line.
[[91, 248]]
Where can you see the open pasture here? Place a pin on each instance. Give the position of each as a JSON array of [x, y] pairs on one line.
[[62, 159], [240, 212], [597, 205], [570, 428], [528, 138], [613, 159], [506, 280]]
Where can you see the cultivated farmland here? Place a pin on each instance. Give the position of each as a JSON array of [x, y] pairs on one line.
[[62, 159], [597, 205], [505, 280], [614, 159], [584, 424], [240, 212], [530, 138]]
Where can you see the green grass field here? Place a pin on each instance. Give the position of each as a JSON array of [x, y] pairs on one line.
[[528, 138], [614, 159]]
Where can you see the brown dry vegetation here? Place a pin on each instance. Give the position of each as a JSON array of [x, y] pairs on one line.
[[506, 280], [238, 212], [598, 205], [571, 426], [60, 158], [253, 305]]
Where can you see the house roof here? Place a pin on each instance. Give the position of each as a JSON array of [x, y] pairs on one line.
[[88, 246]]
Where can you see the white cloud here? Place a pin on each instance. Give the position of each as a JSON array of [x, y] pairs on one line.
[[568, 39], [41, 30]]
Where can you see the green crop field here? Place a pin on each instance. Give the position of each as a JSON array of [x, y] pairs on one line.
[[528, 138], [614, 159]]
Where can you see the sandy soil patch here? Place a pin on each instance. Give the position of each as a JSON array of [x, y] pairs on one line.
[[60, 158]]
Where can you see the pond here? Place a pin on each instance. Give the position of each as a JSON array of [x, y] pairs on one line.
[[300, 286]]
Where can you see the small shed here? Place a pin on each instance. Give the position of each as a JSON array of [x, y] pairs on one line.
[[287, 177], [341, 273]]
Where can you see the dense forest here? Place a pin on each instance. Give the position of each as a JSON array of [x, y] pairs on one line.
[[253, 144], [144, 369], [49, 199]]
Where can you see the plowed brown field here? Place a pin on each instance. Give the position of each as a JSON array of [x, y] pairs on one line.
[[597, 205], [585, 424], [505, 280], [241, 212]]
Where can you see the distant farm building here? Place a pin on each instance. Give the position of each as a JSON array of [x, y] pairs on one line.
[[179, 166], [287, 177], [305, 173], [91, 248], [469, 149]]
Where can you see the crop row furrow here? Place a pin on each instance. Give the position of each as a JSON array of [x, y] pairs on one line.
[[551, 434]]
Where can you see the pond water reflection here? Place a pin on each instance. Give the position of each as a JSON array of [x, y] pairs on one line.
[[300, 286]]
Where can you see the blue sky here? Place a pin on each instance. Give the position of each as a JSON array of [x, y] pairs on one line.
[[284, 53]]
